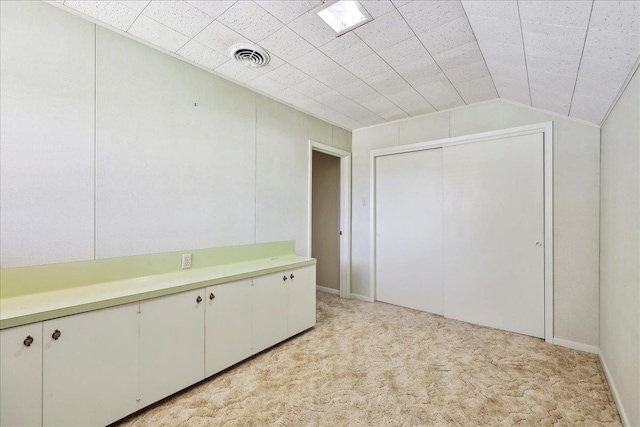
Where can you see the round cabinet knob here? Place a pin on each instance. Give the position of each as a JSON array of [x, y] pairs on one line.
[[538, 243], [198, 300], [292, 276], [212, 296], [284, 278], [56, 334], [28, 341]]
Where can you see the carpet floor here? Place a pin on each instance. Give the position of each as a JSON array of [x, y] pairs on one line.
[[375, 364]]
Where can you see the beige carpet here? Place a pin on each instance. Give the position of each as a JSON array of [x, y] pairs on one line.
[[376, 364]]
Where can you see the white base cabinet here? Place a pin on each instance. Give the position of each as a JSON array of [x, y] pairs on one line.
[[171, 344], [268, 311], [90, 367], [21, 375], [301, 310], [228, 325], [94, 368], [283, 304]]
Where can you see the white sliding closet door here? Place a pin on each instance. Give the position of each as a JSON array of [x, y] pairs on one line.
[[493, 233], [409, 230]]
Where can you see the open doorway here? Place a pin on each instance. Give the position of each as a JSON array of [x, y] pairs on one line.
[[329, 217], [325, 220]]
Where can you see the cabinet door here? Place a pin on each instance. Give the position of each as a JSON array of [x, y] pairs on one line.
[[171, 344], [21, 373], [301, 287], [268, 311], [90, 373], [228, 325]]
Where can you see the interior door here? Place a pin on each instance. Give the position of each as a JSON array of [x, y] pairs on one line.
[[408, 209], [494, 233]]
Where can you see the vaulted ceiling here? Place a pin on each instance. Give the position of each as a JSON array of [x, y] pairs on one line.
[[415, 57]]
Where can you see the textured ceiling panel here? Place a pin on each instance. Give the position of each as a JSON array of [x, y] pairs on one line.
[[611, 48], [178, 15], [315, 63], [377, 8], [498, 30], [286, 44], [425, 16], [116, 14], [266, 85], [412, 102], [312, 88], [415, 57], [346, 48], [553, 30], [250, 20], [515, 90], [158, 34], [385, 31], [574, 13], [440, 93], [388, 83], [356, 90], [220, 38], [287, 11], [367, 66], [204, 55], [211, 8], [447, 36]]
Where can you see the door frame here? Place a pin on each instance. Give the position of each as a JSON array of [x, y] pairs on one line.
[[546, 128], [345, 210]]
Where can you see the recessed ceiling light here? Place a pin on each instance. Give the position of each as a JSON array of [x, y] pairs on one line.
[[344, 15]]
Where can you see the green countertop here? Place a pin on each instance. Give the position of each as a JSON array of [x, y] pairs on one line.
[[77, 297]]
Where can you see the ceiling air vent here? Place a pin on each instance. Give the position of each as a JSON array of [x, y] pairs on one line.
[[249, 55]]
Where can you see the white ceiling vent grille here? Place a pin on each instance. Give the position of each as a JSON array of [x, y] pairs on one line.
[[249, 55]]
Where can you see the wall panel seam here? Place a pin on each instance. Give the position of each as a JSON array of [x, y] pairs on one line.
[[255, 169], [95, 139]]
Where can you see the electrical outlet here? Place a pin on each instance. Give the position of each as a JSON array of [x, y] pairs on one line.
[[186, 261]]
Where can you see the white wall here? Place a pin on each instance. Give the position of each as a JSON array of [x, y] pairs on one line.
[[47, 142], [111, 148], [576, 201], [620, 251]]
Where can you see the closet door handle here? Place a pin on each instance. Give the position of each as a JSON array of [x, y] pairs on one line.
[[198, 300], [284, 278], [28, 341], [212, 296], [56, 334], [292, 276]]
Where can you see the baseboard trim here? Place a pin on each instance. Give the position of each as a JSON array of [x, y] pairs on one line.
[[614, 391], [360, 297], [576, 345], [328, 290]]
